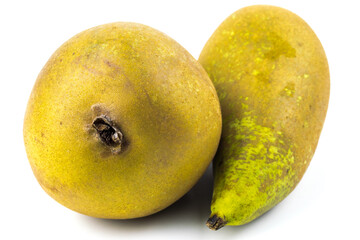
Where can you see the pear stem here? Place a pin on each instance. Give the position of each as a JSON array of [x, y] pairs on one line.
[[215, 222], [108, 133]]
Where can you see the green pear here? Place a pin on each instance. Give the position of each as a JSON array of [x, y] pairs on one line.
[[272, 78]]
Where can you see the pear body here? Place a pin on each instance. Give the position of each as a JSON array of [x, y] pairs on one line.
[[122, 122], [272, 78]]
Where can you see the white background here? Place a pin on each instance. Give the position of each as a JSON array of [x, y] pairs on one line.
[[325, 205]]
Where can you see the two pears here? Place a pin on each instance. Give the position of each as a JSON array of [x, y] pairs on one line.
[[123, 121]]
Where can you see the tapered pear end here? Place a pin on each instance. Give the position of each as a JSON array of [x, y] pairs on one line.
[[215, 222]]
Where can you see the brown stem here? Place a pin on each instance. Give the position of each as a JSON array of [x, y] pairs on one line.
[[215, 222], [108, 133]]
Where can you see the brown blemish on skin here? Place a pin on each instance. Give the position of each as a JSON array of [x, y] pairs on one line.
[[49, 188], [38, 141], [106, 154], [93, 70], [265, 184], [235, 180], [112, 65], [98, 110], [148, 97], [117, 69]]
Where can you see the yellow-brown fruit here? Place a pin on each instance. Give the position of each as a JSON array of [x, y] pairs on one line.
[[272, 78], [122, 122]]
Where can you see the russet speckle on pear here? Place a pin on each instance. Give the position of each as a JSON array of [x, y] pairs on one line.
[[272, 78], [122, 122]]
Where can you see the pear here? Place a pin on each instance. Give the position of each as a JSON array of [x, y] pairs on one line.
[[122, 122], [272, 78]]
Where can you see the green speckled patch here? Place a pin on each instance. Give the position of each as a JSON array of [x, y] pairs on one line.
[[254, 166]]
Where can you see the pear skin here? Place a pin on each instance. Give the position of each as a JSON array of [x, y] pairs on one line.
[[122, 122], [272, 78]]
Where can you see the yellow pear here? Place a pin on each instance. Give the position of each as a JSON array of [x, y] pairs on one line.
[[122, 121], [272, 77]]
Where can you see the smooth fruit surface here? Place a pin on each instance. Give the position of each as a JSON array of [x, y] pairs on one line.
[[272, 78], [122, 122]]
